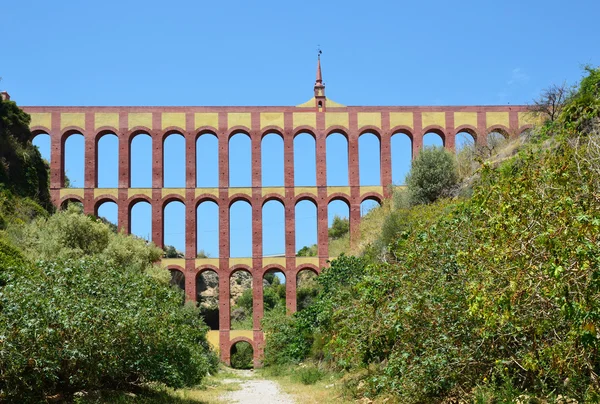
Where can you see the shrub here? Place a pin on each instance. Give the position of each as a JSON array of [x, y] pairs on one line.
[[310, 374], [95, 325], [432, 175]]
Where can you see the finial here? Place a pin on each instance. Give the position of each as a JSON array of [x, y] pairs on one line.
[[319, 51]]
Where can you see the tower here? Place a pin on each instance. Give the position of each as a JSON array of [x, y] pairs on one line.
[[320, 99]]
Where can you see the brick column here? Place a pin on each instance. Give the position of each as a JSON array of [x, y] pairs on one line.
[[417, 141], [481, 129], [190, 225], [157, 218], [190, 151], [321, 147], [190, 280], [57, 166], [354, 180], [290, 210], [513, 119], [385, 155], [91, 164], [157, 151], [124, 179], [450, 133]]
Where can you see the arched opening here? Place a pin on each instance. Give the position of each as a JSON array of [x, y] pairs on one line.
[[240, 229], [305, 160], [526, 133], [466, 152], [496, 140], [74, 160], [207, 230], [71, 202], [241, 355], [177, 279], [369, 159], [273, 229], [42, 142], [401, 150], [338, 223], [140, 160], [207, 161], [240, 161], [108, 212], [306, 229], [368, 205], [207, 296], [140, 220], [432, 139], [108, 161], [272, 160], [241, 300], [174, 230], [174, 161], [337, 160], [274, 292], [307, 288]]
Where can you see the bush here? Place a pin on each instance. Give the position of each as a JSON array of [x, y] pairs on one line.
[[432, 175], [310, 375], [87, 324]]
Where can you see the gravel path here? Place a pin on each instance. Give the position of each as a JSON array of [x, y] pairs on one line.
[[255, 391]]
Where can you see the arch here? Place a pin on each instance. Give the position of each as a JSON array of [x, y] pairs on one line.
[[174, 160], [434, 136], [372, 196], [71, 199], [140, 218], [73, 159], [503, 130], [41, 140], [140, 160], [273, 228], [240, 229], [469, 129], [272, 160], [240, 160], [464, 138], [271, 129], [369, 158], [305, 159], [401, 152], [207, 160], [274, 290], [241, 353], [207, 229], [367, 205], [241, 296], [307, 287], [174, 227], [272, 197], [525, 129], [177, 277], [496, 137], [207, 296], [338, 226], [336, 145], [305, 212], [107, 158]]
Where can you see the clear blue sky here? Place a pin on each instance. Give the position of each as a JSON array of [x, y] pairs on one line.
[[264, 53]]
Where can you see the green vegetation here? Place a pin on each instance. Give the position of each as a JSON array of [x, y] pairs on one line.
[[432, 175], [493, 296], [82, 307], [241, 356], [22, 169]]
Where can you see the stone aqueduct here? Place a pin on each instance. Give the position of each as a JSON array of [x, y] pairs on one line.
[[318, 117]]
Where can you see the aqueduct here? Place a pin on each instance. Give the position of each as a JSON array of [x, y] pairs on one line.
[[319, 117]]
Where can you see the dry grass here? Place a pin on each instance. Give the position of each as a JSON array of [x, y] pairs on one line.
[[326, 391]]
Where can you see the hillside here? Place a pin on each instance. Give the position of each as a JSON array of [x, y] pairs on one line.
[[491, 295]]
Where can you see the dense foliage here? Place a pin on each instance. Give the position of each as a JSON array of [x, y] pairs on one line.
[[432, 175], [487, 298], [22, 169]]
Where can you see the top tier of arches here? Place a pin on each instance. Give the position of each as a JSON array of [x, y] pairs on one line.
[[336, 163]]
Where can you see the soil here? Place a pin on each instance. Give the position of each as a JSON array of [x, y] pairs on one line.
[[255, 391]]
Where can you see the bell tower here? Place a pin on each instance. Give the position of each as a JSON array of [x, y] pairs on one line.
[[320, 100]]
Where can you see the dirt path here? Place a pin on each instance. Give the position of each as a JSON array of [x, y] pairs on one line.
[[254, 390]]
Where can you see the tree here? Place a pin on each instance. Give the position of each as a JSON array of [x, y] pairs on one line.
[[432, 175], [339, 228], [552, 100]]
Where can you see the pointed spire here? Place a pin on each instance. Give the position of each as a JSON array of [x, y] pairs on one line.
[[319, 76]]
